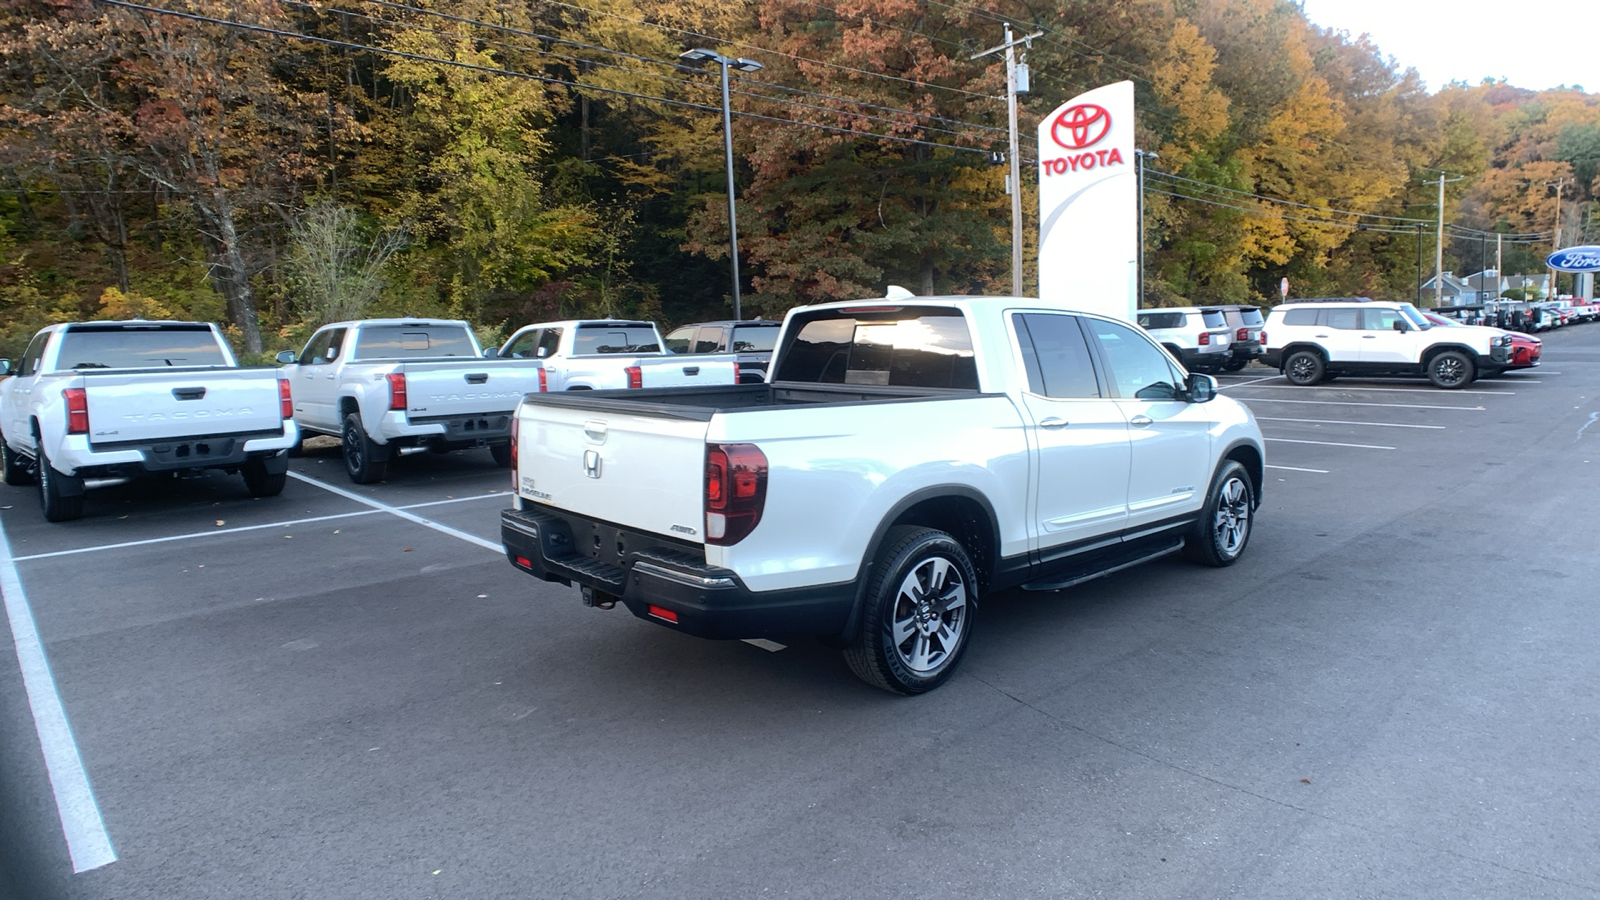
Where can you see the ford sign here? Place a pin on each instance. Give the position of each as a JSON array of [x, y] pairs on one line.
[[1575, 259]]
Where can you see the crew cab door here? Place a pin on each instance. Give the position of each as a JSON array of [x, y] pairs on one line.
[[1079, 436], [316, 385], [1169, 437], [19, 394], [1381, 342]]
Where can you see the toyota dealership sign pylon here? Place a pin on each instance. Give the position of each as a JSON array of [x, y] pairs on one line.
[[1088, 202]]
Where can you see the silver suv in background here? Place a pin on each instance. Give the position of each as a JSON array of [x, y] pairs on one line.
[[1197, 335]]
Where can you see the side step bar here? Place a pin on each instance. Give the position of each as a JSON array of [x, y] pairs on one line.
[[1109, 565]]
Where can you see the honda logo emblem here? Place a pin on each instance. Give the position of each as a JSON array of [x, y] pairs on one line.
[[591, 463]]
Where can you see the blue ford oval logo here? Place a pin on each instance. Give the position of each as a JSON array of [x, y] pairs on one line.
[[1575, 259]]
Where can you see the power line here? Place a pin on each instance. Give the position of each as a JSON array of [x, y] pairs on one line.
[[1328, 209]]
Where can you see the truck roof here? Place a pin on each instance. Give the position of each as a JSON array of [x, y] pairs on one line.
[[576, 323], [407, 321]]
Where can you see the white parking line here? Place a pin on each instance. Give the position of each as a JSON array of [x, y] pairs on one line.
[[1360, 403], [1329, 444], [1298, 469], [1393, 390], [1234, 384], [241, 528], [397, 511], [1347, 422], [88, 843]]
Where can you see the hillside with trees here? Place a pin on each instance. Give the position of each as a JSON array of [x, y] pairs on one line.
[[276, 164]]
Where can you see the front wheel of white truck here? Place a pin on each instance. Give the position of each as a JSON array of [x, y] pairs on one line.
[[918, 613]]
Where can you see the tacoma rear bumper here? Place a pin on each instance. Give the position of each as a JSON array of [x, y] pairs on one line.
[[665, 581]]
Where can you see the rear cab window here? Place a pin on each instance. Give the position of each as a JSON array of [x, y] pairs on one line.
[[755, 338], [601, 339], [894, 346], [413, 342], [138, 347]]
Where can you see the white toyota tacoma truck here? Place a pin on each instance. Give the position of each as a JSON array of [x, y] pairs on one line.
[[904, 458], [603, 354], [97, 401], [386, 385]]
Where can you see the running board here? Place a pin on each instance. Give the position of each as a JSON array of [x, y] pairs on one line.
[[1082, 575]]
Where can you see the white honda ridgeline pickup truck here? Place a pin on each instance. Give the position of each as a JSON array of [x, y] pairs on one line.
[[904, 458], [111, 400], [382, 385]]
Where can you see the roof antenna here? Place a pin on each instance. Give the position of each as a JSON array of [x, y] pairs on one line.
[[896, 292]]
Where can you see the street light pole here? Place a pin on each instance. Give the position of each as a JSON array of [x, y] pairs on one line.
[[1438, 250], [699, 57], [1142, 159]]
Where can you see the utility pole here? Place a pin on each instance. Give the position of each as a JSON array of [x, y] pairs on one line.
[[1438, 250], [1499, 273], [1142, 159], [1555, 243], [1418, 298], [1016, 83]]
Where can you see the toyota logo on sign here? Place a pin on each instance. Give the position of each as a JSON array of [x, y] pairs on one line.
[[1080, 126]]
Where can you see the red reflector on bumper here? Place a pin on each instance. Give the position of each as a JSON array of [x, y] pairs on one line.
[[524, 562], [665, 615]]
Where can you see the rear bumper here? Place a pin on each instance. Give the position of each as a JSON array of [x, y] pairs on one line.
[[1246, 350], [1272, 358], [666, 583], [1202, 360], [469, 430], [74, 455]]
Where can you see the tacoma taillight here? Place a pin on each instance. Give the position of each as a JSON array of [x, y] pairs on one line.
[[1243, 335], [285, 399], [736, 491], [544, 380], [77, 410], [397, 390], [1205, 338], [635, 377]]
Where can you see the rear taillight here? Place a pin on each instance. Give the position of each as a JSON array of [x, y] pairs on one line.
[[1263, 338], [516, 429], [635, 377], [285, 399], [77, 410], [736, 491], [1205, 338], [544, 380], [397, 390], [1243, 334]]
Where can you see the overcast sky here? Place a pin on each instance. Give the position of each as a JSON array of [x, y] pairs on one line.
[[1535, 44]]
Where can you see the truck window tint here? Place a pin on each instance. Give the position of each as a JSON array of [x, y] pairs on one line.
[[1057, 357], [138, 349], [678, 340], [600, 339], [709, 339], [901, 347], [413, 342], [1138, 368], [1161, 320], [335, 344], [754, 338], [1300, 317], [522, 347], [1214, 318], [34, 355], [549, 343]]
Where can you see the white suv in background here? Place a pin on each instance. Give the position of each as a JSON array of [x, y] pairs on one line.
[[1198, 336], [1310, 342]]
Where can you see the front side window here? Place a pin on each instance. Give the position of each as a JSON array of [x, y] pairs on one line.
[[522, 346], [34, 354], [549, 343], [678, 340], [1379, 319], [1055, 356], [1138, 367]]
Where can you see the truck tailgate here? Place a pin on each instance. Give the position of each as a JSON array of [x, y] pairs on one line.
[[647, 471], [467, 387], [674, 370], [157, 405]]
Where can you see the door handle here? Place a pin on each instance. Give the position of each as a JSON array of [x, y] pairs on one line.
[[189, 393], [1321, 335], [1141, 421], [329, 377], [1053, 422], [1369, 337], [477, 378]]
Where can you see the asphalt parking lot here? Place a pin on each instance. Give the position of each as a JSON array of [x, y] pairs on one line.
[[347, 692]]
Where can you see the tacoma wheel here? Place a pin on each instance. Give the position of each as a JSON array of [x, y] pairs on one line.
[[1451, 369], [918, 613], [11, 467], [360, 453], [1304, 367], [501, 454], [1219, 538], [60, 496], [260, 482]]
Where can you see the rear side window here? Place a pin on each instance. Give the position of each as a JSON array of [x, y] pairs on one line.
[[601, 339], [413, 342], [1214, 318], [1161, 320], [1300, 317], [755, 339], [1348, 319], [1056, 356], [138, 348], [910, 346]]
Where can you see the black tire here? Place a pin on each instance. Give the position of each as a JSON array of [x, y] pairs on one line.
[[260, 482], [501, 454], [1234, 365], [14, 472], [1304, 368], [918, 614], [299, 448], [60, 496], [1222, 533], [360, 452], [1451, 369]]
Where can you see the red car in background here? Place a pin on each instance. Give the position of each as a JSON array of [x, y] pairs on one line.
[[1525, 348]]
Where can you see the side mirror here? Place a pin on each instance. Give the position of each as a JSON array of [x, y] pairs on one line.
[[5, 367], [1400, 326], [287, 358], [541, 353], [491, 352], [1201, 388]]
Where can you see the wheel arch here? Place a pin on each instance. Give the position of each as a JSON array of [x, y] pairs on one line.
[[1435, 350], [1297, 346], [1249, 455]]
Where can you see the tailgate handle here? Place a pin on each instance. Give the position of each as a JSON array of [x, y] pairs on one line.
[[477, 377], [691, 370], [595, 431], [192, 393]]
